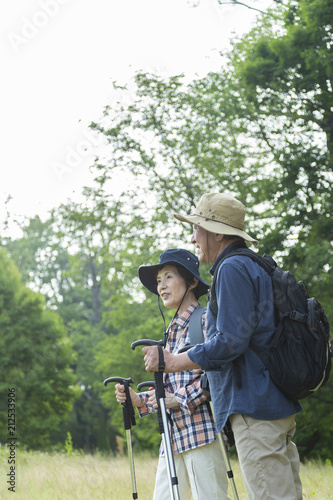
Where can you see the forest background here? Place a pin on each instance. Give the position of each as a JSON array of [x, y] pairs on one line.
[[71, 304]]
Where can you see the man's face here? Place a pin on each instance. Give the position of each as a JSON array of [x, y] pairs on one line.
[[200, 238]]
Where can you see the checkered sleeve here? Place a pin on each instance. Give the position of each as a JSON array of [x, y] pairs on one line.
[[146, 408], [189, 396]]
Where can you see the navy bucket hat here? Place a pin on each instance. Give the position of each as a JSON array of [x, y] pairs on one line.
[[188, 260]]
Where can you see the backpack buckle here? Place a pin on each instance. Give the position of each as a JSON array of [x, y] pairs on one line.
[[297, 316]]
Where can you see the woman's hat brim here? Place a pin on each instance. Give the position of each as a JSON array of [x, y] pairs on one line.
[[147, 274]]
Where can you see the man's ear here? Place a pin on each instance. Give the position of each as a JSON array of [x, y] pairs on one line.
[[219, 237]]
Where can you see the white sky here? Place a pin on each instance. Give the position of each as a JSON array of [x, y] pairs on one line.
[[59, 58]]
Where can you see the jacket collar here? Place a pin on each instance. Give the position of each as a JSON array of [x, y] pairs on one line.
[[230, 248]]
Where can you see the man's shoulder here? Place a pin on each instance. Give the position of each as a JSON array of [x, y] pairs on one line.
[[233, 260], [239, 264]]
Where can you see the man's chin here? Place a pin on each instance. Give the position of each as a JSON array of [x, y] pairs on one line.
[[201, 258]]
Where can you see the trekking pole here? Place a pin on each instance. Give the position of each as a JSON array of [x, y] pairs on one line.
[[161, 430], [129, 420], [230, 474], [160, 396]]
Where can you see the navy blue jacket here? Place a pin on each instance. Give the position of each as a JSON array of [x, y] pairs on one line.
[[245, 311]]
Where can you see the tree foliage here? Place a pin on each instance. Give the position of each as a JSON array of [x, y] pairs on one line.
[[35, 361]]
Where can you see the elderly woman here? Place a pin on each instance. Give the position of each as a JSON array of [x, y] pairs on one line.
[[198, 459]]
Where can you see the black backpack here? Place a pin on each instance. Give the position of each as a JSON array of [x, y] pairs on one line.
[[299, 359], [195, 326]]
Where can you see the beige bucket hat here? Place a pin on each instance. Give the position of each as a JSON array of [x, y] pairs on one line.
[[221, 214]]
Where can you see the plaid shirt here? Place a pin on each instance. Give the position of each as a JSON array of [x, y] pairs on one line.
[[192, 423]]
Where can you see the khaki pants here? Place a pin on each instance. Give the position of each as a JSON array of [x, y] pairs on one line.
[[268, 458], [201, 475]]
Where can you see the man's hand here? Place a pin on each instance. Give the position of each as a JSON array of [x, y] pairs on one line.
[[151, 358], [173, 362]]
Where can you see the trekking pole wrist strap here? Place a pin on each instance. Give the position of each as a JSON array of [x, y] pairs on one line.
[[161, 363], [128, 410], [159, 386]]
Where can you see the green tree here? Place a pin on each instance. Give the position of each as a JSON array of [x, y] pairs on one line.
[[41, 257], [65, 258], [36, 358], [284, 70]]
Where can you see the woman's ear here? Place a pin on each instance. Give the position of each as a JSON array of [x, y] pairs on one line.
[[194, 284]]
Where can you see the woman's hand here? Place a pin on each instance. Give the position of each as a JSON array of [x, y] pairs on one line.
[[170, 400], [121, 396]]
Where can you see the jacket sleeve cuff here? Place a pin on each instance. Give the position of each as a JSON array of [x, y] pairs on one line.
[[146, 408]]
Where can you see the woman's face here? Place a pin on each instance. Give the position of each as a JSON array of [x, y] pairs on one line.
[[170, 286]]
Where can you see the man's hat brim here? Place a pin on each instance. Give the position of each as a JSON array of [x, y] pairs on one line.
[[214, 226]]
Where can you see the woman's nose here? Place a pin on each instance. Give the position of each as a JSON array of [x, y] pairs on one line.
[[161, 285]]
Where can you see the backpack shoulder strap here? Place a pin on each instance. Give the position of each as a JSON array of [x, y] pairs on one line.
[[195, 326], [265, 261], [268, 264]]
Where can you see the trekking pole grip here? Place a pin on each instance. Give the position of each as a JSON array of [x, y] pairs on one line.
[[147, 342], [159, 416], [128, 410], [120, 380], [149, 383], [185, 348], [159, 386], [151, 343]]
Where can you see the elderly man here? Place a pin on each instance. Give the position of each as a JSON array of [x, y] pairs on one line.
[[262, 418]]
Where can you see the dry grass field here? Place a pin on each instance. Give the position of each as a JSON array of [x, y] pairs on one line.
[[57, 476]]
